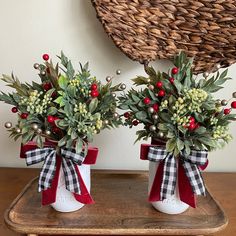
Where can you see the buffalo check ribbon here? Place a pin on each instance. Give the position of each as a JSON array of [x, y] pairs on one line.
[[68, 160], [48, 155], [188, 173]]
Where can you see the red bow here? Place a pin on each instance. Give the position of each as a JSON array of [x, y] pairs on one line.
[[185, 190], [49, 195]]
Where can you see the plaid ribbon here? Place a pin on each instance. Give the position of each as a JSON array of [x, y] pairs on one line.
[[48, 155], [190, 164]]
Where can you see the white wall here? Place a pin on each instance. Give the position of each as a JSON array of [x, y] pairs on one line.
[[30, 28]]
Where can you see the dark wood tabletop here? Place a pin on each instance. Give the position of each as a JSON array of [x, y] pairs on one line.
[[221, 185]]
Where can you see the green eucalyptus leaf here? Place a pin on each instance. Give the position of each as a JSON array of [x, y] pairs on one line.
[[51, 111], [93, 105], [63, 82], [141, 115], [171, 144], [79, 145], [63, 141]]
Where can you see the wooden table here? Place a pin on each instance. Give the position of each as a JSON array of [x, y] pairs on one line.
[[221, 185]]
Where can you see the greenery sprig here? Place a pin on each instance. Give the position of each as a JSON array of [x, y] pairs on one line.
[[66, 106], [179, 109]]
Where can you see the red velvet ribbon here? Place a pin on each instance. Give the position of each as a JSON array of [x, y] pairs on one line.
[[185, 190], [49, 195]]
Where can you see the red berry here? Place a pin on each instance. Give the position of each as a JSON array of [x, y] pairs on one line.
[[192, 126], [127, 115], [45, 57], [94, 93], [94, 87], [24, 115], [174, 70], [56, 130], [172, 80], [155, 107], [192, 120], [233, 104], [54, 94], [161, 93], [159, 84], [14, 109], [227, 111], [135, 122], [50, 119], [47, 86], [146, 100]]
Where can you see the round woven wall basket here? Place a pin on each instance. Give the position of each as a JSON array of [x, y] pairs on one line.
[[146, 30]]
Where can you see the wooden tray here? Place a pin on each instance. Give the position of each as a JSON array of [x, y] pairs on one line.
[[121, 209]]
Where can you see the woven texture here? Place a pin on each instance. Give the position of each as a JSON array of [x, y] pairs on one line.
[[147, 30]]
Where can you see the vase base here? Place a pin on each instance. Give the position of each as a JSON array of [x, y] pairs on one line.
[[68, 208], [171, 208]]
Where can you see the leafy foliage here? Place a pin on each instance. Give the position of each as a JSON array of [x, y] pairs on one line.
[[177, 108], [65, 106]]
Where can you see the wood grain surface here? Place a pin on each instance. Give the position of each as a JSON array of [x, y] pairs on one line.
[[107, 211]]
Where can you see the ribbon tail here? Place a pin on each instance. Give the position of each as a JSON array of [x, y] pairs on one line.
[[49, 195], [84, 196], [154, 194], [186, 193]]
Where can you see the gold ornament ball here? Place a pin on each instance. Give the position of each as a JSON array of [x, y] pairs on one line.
[[123, 86], [39, 131], [116, 115], [151, 87], [108, 79], [118, 71], [234, 94], [152, 128], [155, 117], [47, 132], [18, 130], [205, 74], [43, 73], [8, 125], [148, 80], [161, 134], [106, 122], [36, 66], [113, 95], [35, 126], [150, 110], [224, 102], [218, 66], [218, 102]]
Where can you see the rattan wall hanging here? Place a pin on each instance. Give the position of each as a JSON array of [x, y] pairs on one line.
[[147, 30]]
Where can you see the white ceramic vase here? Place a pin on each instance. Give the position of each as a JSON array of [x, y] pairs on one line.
[[65, 201], [172, 205]]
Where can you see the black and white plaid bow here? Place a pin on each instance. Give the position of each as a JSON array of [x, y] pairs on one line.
[[48, 155], [190, 164]]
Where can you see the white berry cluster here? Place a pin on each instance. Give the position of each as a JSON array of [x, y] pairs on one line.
[[182, 121], [221, 132], [81, 108], [196, 98], [164, 104], [36, 105]]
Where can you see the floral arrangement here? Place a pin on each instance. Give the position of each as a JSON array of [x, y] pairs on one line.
[[65, 106], [180, 109]]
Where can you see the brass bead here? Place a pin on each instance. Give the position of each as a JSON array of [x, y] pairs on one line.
[[118, 71], [39, 131], [48, 132], [36, 66], [148, 80], [224, 102], [35, 126], [150, 110], [18, 130], [151, 87], [218, 66], [8, 125], [152, 128], [155, 117], [205, 74], [116, 115], [113, 95], [234, 94], [106, 122], [161, 134], [123, 86], [108, 79], [43, 73]]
